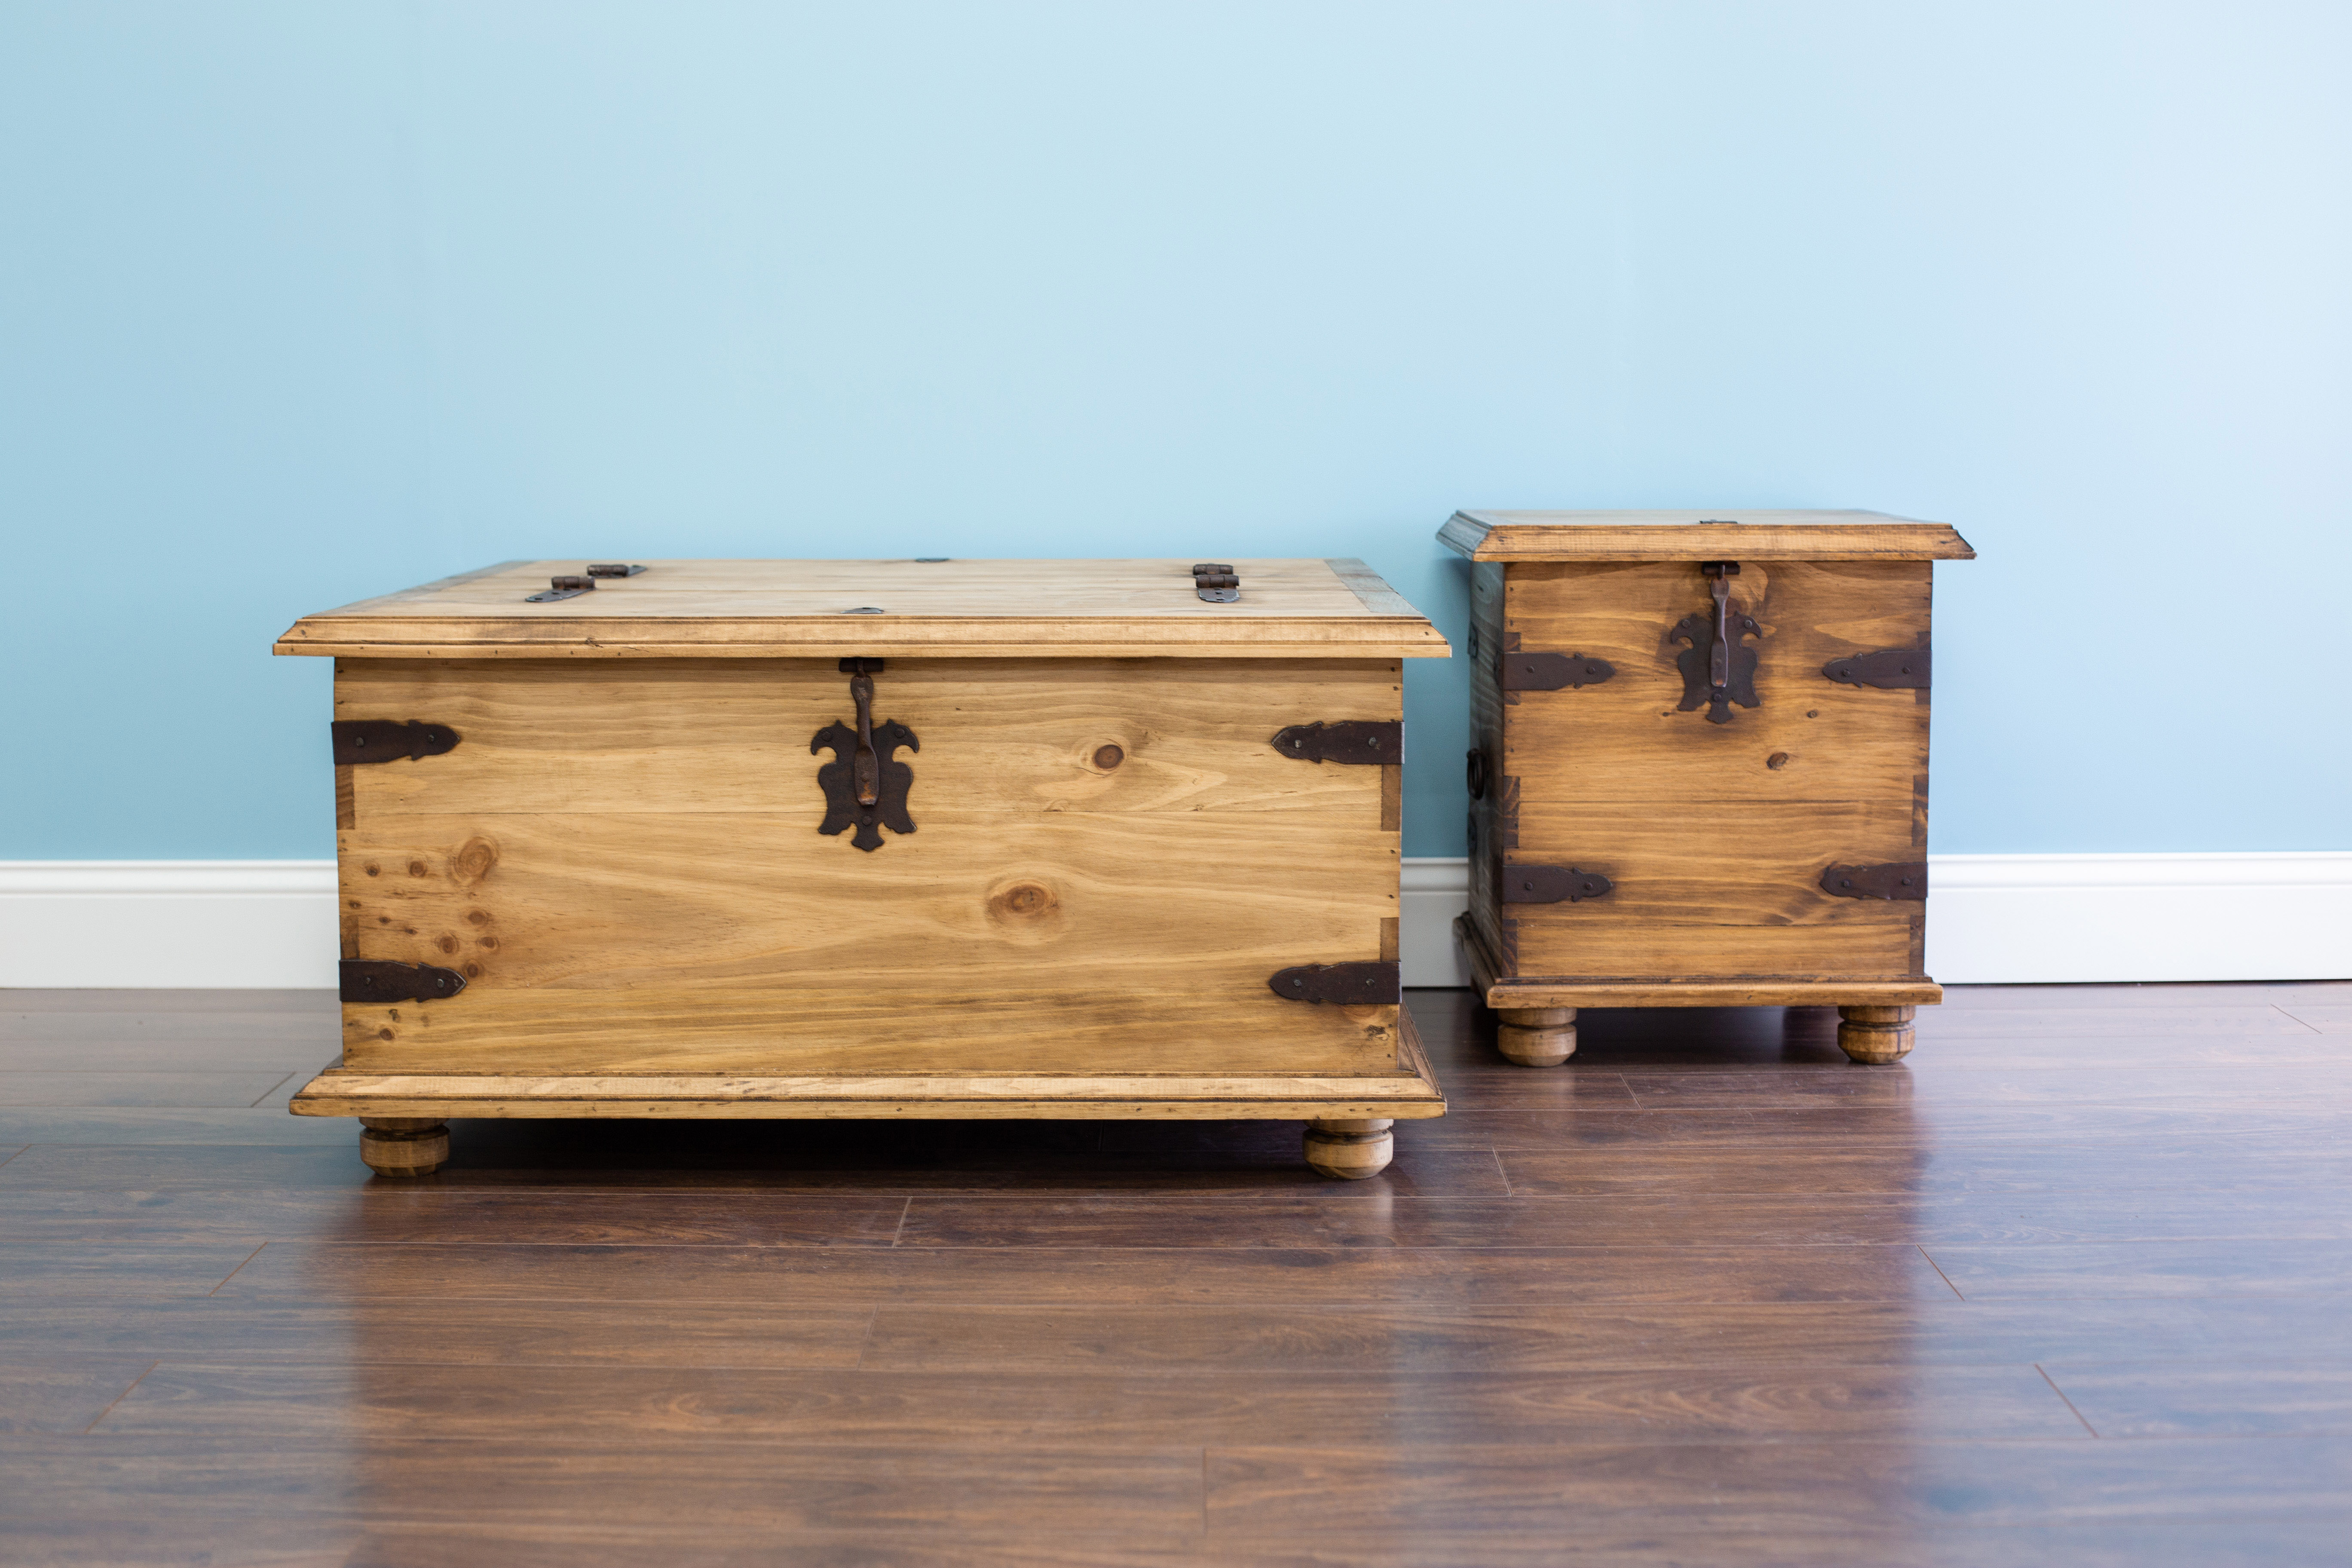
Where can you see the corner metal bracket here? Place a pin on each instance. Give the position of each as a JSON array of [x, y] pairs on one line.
[[381, 980], [1347, 741], [1889, 669], [1902, 880], [388, 739], [1368, 984], [1552, 885]]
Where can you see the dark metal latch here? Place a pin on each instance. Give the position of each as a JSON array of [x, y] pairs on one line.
[[863, 786], [1718, 668]]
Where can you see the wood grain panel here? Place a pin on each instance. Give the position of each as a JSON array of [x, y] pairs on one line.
[[1625, 740], [1015, 737]]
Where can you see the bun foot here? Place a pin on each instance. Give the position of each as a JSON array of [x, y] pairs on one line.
[[404, 1146], [1877, 1035], [1537, 1037], [1350, 1151]]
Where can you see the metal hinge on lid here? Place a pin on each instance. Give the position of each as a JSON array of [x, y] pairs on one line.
[[1216, 583], [561, 588], [612, 569]]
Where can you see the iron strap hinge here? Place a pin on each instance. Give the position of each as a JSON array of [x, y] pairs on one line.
[[388, 739], [382, 979], [1369, 985], [1552, 885], [1889, 669], [1216, 583], [1902, 880], [1347, 741]]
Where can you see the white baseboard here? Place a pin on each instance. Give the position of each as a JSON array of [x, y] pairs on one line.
[[180, 923], [1994, 919]]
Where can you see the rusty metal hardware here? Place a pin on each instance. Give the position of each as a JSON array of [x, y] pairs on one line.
[[1477, 776], [1347, 741], [387, 739], [1718, 668], [1348, 985], [1551, 671], [381, 980], [1903, 880], [1552, 885], [1215, 583], [1890, 668], [863, 786], [612, 569], [562, 588]]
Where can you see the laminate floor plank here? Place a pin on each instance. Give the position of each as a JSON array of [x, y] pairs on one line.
[[181, 1126], [746, 1485], [385, 1213], [62, 1396], [167, 1054], [1769, 1219], [2328, 1018], [2182, 1086], [2112, 1270], [555, 1271], [458, 1332], [1375, 1277], [218, 1089], [1347, 1340], [2165, 1400], [192, 1030], [84, 1270], [1920, 1171], [1797, 1486], [1795, 1133], [651, 1407]]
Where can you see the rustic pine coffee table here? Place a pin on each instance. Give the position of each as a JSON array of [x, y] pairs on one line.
[[1700, 776], [873, 839]]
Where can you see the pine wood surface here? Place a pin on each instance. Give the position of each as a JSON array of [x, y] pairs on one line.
[[1716, 835], [1720, 535], [754, 609], [2068, 1283], [1109, 861]]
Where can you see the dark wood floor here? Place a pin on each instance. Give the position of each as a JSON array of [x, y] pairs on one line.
[[2074, 1284]]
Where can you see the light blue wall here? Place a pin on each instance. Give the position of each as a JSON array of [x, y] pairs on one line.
[[303, 303]]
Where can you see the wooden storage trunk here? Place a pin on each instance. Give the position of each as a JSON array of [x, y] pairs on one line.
[[1121, 841], [1701, 770]]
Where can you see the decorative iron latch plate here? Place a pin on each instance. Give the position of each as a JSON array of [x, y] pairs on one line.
[[1347, 984], [1891, 669], [382, 979], [1552, 885], [865, 786], [1903, 880], [388, 739], [1718, 668], [1347, 741]]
